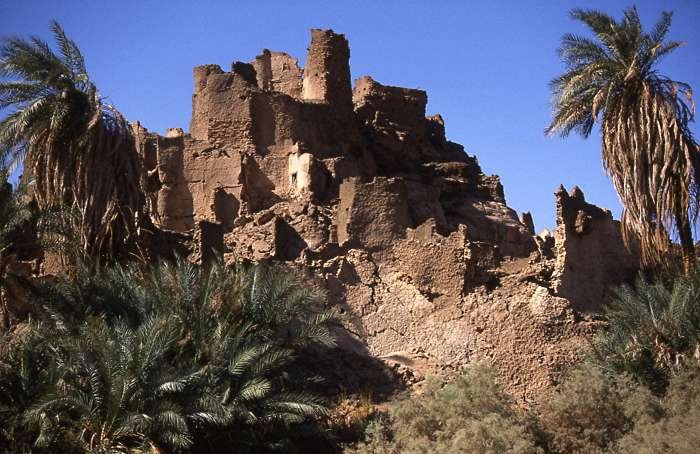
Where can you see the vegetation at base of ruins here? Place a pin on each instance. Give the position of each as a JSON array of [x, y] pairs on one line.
[[639, 391], [591, 411], [350, 415], [78, 148], [15, 213], [470, 414], [653, 329], [180, 357], [613, 80], [642, 378], [676, 430], [170, 358], [594, 411]]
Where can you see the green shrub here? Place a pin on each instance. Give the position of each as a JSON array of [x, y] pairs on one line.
[[170, 358], [470, 414], [654, 329], [591, 410], [25, 374], [16, 214], [678, 431]]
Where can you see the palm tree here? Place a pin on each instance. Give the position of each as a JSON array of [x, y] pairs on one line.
[[246, 326], [247, 400], [25, 374], [116, 390], [15, 212], [176, 356], [648, 150], [78, 148], [281, 310], [110, 292], [654, 329]]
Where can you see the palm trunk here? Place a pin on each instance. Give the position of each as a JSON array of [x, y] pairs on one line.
[[687, 246], [5, 311], [3, 300]]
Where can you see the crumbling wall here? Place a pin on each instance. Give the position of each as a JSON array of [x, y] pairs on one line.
[[222, 107], [394, 118], [440, 275], [307, 176], [396, 112], [327, 70], [590, 254], [208, 242], [257, 187], [189, 180], [174, 199], [279, 72], [372, 214], [360, 190], [254, 120]]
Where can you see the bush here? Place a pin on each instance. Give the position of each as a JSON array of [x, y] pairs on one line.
[[639, 390], [350, 416], [654, 329], [174, 357], [470, 414], [591, 410], [677, 431], [16, 216]]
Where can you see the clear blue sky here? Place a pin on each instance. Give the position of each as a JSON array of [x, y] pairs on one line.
[[485, 66]]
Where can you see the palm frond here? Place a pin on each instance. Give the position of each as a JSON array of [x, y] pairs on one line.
[[647, 147], [59, 127], [654, 329], [166, 357]]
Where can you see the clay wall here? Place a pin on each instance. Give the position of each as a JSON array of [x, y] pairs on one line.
[[364, 192], [398, 108], [199, 122], [174, 199], [372, 214], [591, 256], [278, 71], [192, 181], [327, 70], [222, 108], [435, 264], [424, 204], [306, 175]]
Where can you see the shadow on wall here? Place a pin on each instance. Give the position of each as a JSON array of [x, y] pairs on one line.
[[258, 189], [226, 207]]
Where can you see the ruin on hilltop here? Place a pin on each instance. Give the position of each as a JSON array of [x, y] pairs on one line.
[[361, 191]]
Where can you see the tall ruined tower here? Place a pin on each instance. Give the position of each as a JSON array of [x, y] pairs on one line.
[[327, 71]]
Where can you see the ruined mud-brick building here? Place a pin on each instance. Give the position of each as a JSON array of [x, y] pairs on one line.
[[359, 190]]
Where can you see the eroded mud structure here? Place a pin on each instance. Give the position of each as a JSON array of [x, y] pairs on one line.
[[361, 191]]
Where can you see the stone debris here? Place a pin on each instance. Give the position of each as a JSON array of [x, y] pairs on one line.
[[359, 190]]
